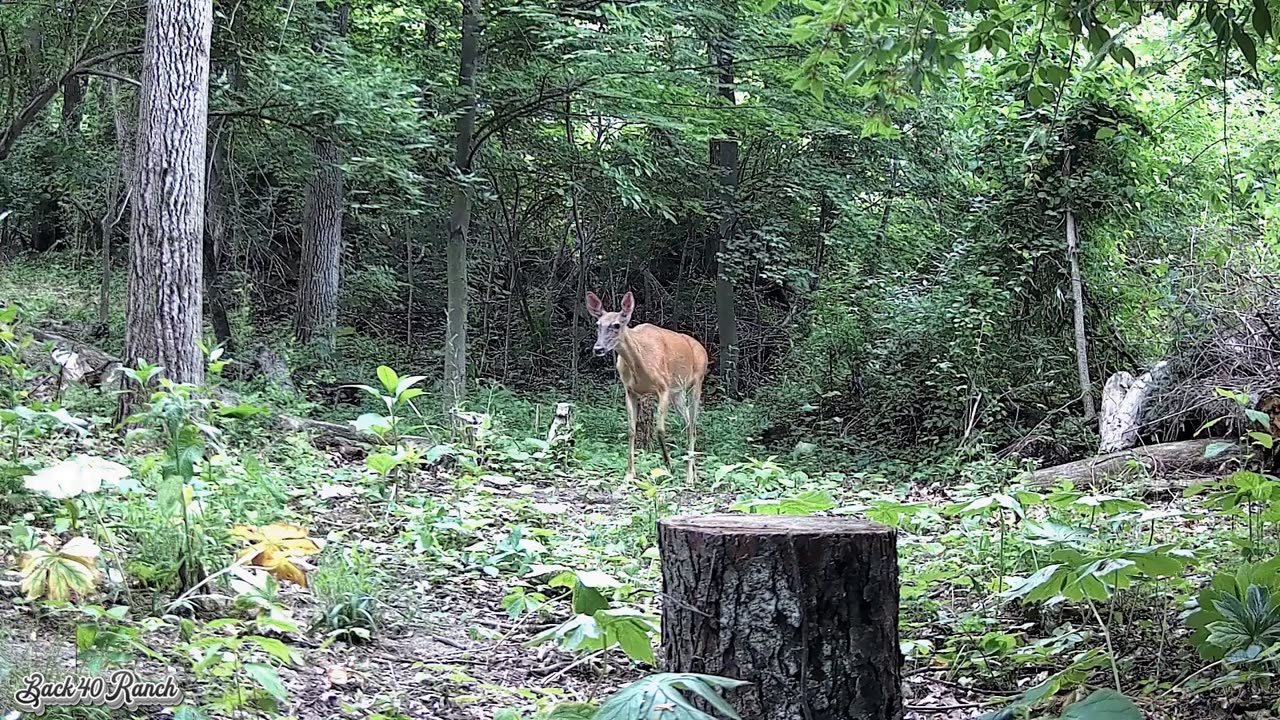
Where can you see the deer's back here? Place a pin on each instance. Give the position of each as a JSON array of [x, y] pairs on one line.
[[662, 358]]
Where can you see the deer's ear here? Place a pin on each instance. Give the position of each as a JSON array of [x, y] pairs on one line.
[[628, 306], [594, 306]]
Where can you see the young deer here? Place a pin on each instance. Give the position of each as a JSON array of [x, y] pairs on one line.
[[652, 361]]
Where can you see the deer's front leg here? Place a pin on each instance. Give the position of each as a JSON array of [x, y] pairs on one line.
[[660, 420], [633, 406]]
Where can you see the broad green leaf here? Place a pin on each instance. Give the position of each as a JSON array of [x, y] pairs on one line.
[[404, 384], [372, 423], [388, 378], [381, 463], [661, 696], [1216, 449], [1103, 705], [275, 648], [268, 678], [597, 579], [1043, 584], [242, 411], [1258, 416]]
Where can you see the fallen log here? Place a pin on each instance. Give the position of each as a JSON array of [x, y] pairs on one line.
[[77, 361], [81, 362], [1183, 456]]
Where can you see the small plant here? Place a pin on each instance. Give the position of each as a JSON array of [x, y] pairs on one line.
[[1231, 617], [347, 588], [513, 553], [107, 638], [226, 649], [596, 624], [63, 573], [663, 694], [805, 503]]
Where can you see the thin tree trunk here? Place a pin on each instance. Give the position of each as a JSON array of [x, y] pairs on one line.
[[579, 241], [724, 162], [215, 236], [165, 262], [455, 343], [1077, 299], [122, 183], [320, 271]]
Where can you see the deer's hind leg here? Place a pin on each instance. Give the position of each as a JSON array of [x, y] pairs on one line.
[[692, 402]]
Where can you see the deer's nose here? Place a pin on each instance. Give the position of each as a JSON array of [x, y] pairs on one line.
[[600, 350]]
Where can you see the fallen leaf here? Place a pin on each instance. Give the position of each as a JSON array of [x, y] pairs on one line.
[[339, 675], [278, 548]]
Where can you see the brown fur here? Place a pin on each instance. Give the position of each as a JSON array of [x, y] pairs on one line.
[[653, 361]]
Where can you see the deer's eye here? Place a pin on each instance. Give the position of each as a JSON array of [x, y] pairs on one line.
[[617, 325]]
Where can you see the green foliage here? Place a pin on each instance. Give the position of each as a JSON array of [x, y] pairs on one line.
[[1229, 618], [347, 586], [664, 694], [597, 624], [1102, 705]]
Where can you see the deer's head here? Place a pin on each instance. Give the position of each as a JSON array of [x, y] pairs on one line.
[[609, 325]]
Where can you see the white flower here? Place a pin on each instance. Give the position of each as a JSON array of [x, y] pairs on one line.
[[80, 474]]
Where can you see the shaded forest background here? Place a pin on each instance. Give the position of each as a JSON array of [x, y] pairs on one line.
[[887, 271]]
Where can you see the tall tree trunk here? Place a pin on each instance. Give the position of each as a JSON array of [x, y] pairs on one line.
[[319, 275], [44, 212], [724, 162], [455, 342], [165, 267]]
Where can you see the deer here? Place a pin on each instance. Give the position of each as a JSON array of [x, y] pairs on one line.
[[652, 361]]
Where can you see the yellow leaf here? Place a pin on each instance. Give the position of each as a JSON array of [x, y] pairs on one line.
[[62, 574], [278, 532], [246, 532], [275, 549], [81, 549], [288, 571]]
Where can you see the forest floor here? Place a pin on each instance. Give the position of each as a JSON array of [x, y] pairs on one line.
[[466, 555]]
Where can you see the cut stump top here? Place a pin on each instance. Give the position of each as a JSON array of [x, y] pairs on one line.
[[726, 524]]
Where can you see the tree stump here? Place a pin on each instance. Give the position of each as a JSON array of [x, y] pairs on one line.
[[803, 608]]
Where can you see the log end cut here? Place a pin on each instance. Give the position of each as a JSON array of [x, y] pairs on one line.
[[805, 609]]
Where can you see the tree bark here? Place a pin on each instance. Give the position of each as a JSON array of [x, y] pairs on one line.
[[167, 223], [320, 272], [455, 343], [803, 608], [724, 163]]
